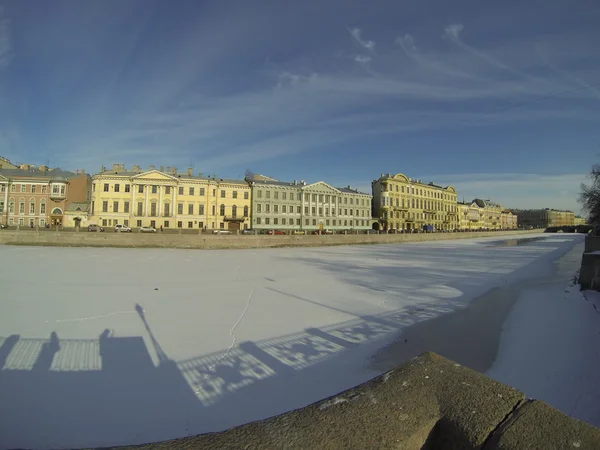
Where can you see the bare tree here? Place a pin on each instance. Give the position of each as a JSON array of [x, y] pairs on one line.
[[589, 197], [248, 175]]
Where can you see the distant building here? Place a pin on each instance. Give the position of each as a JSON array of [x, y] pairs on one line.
[[36, 196], [544, 218], [407, 204], [509, 220], [578, 220], [6, 164], [298, 206]]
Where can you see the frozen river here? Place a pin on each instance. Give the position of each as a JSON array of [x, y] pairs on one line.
[[122, 346]]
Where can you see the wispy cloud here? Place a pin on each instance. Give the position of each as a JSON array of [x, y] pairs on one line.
[[5, 40], [356, 33]]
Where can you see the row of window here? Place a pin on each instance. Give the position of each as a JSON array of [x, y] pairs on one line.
[[166, 210], [308, 222], [417, 191], [418, 203], [154, 189], [165, 223], [285, 209], [322, 198], [31, 222], [418, 215], [56, 188], [31, 209]]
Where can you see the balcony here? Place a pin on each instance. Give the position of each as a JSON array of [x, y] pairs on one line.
[[58, 190], [234, 218]]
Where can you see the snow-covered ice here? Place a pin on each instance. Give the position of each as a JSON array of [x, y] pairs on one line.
[[122, 346]]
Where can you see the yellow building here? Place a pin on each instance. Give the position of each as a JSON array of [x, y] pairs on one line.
[[169, 199], [471, 216], [492, 214], [578, 220], [405, 204]]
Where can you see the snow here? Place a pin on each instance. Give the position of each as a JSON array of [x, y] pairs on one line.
[[550, 343], [100, 347]]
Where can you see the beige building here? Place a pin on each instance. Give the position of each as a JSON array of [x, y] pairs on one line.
[[508, 220], [167, 198], [406, 204], [578, 220], [298, 206], [38, 196], [492, 214], [544, 218]]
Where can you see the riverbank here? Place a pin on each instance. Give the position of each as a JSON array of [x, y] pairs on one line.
[[203, 241]]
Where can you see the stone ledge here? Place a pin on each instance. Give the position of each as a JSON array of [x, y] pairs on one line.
[[428, 403]]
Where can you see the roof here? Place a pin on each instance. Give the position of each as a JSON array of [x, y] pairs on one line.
[[260, 182], [348, 190], [36, 173], [78, 206], [178, 175]]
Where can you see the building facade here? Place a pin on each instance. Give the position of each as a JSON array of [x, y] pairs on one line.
[[405, 204], [508, 220], [578, 220], [544, 218], [38, 196], [169, 199], [298, 206], [492, 214]]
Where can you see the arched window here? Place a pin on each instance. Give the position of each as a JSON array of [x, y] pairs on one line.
[[31, 207], [11, 206], [42, 207], [246, 211], [222, 210], [234, 210], [57, 212]]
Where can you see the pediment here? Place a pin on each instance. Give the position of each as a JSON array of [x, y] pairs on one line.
[[154, 175], [321, 187]]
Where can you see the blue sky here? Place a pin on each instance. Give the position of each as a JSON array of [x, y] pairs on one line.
[[495, 98]]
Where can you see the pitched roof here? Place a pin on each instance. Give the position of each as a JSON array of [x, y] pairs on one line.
[[37, 173], [348, 190], [78, 206]]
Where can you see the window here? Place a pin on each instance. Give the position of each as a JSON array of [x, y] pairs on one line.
[[201, 210], [44, 189], [1, 206], [268, 194], [275, 209], [314, 210], [284, 195], [202, 192], [166, 224], [314, 222], [167, 212], [258, 207], [180, 190], [222, 194], [127, 188], [126, 222], [105, 187], [154, 189], [190, 224], [117, 187], [267, 208], [320, 211], [168, 191], [222, 210], [326, 211], [33, 189], [32, 208], [234, 194], [3, 188], [180, 208], [334, 222], [222, 225], [314, 197], [246, 211], [214, 211], [140, 209], [13, 188], [115, 206], [267, 221], [190, 209], [275, 221], [299, 197], [23, 188], [321, 198], [42, 208], [299, 209], [105, 206], [21, 222], [258, 221], [179, 224], [306, 210], [259, 194], [153, 223], [298, 222], [327, 222], [234, 211], [191, 191], [153, 209], [140, 189], [283, 221], [214, 195], [283, 209], [276, 195], [126, 206], [11, 221], [139, 223], [306, 222], [42, 222]]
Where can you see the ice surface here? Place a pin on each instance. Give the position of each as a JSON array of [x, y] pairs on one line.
[[122, 346]]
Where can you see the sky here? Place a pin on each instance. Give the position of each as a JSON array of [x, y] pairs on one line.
[[499, 99]]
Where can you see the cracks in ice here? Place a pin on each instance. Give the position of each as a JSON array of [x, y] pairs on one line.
[[232, 331], [82, 319]]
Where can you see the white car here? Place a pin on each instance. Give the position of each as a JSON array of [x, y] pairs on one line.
[[221, 232], [122, 228], [147, 230]]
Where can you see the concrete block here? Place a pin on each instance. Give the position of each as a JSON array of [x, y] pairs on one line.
[[589, 273], [592, 244]]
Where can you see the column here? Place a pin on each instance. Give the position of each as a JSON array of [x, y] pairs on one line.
[[146, 187], [133, 206], [5, 212], [160, 191], [174, 200]]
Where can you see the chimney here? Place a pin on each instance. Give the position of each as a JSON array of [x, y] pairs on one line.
[[43, 168], [25, 167], [76, 171], [82, 172], [168, 169], [152, 167], [349, 187], [174, 170], [162, 168], [115, 167], [122, 167], [190, 171], [200, 174]]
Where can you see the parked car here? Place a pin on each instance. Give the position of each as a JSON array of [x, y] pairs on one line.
[[94, 227], [2, 226], [323, 232], [221, 231], [299, 232], [122, 228], [249, 231], [147, 230], [372, 231], [275, 232]]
